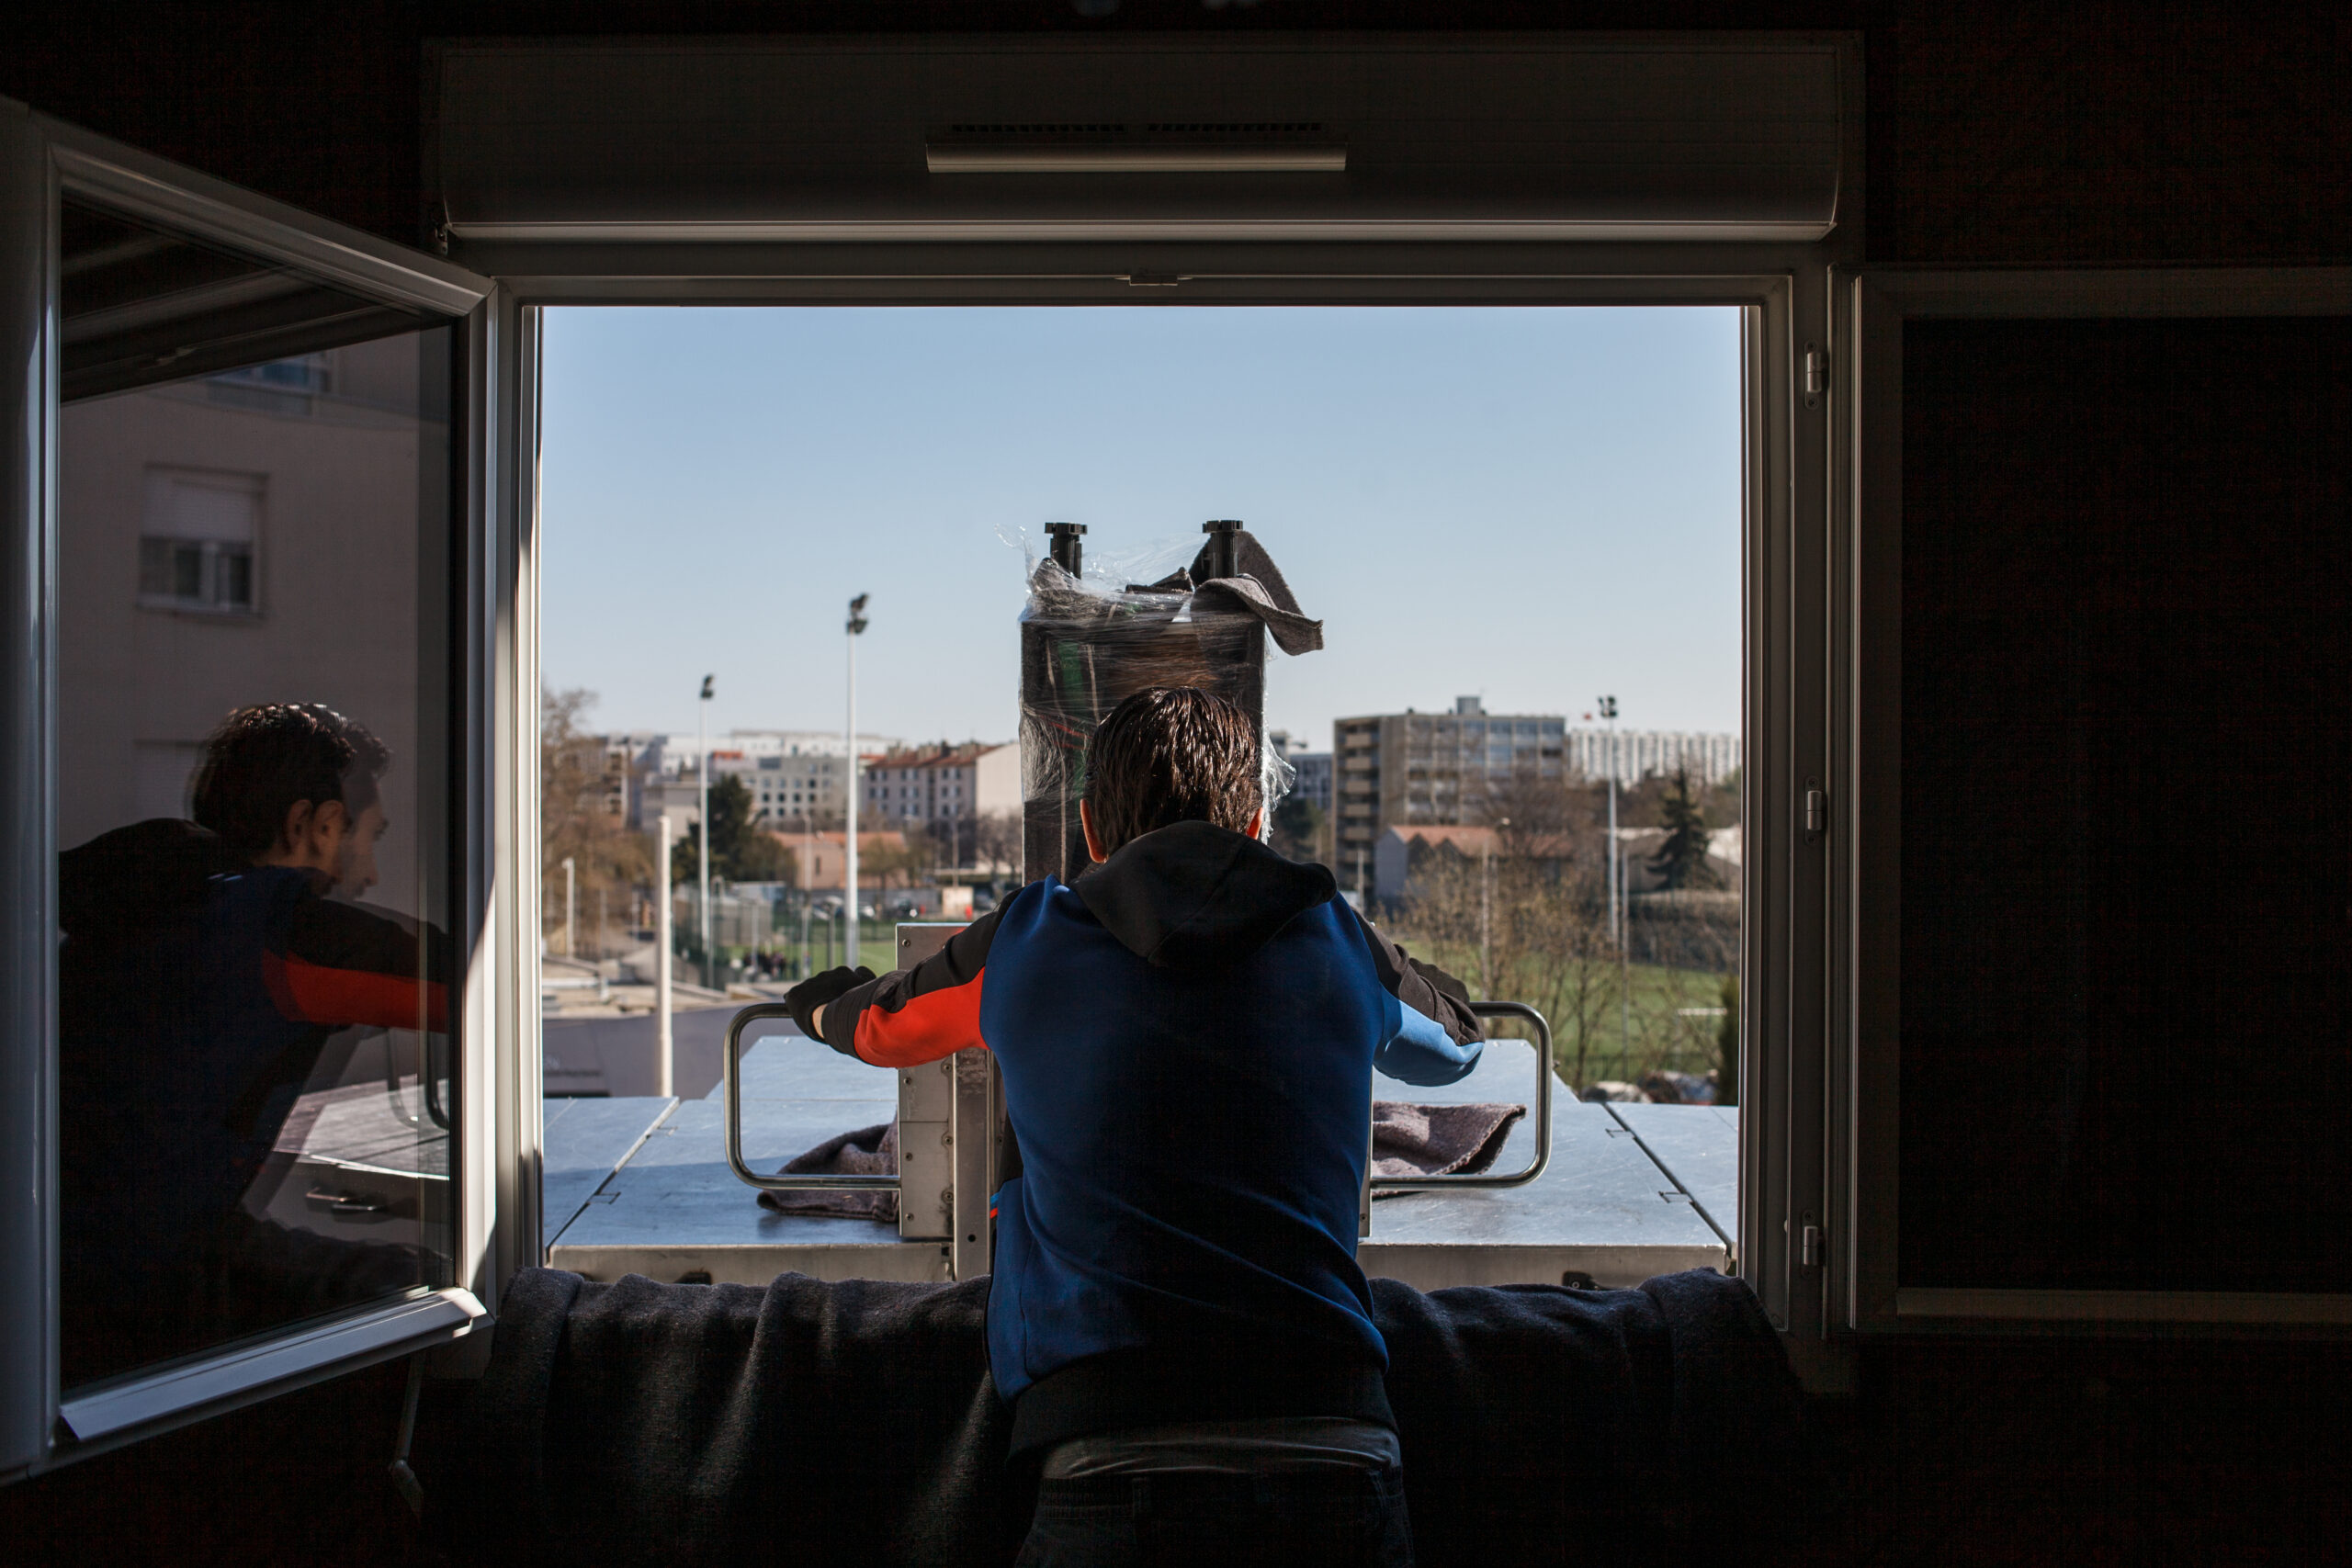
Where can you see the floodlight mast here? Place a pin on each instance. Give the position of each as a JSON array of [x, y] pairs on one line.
[[1617, 932], [702, 813], [849, 869]]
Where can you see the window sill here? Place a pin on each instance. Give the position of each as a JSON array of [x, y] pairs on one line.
[[122, 1411]]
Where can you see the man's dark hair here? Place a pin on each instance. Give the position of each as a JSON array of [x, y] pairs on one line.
[[1173, 754], [265, 760]]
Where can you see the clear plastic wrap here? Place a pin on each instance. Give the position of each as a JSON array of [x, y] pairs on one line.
[[1088, 644]]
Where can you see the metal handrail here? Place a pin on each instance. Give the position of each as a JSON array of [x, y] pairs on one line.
[[1543, 1110], [730, 1062], [810, 1182]]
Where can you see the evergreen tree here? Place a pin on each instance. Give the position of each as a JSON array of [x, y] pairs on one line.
[[1298, 828], [1681, 859], [741, 850]]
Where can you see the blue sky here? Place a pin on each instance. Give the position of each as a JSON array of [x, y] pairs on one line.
[[1532, 504]]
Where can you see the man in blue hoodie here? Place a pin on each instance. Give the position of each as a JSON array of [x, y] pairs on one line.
[[1187, 1037]]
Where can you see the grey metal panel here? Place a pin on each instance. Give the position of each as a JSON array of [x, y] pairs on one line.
[[1698, 1145], [1602, 1209], [582, 1142], [792, 1067], [773, 1131], [1518, 136], [29, 1108], [1600, 1191], [677, 1195]]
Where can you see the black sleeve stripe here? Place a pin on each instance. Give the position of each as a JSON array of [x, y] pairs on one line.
[[965, 955], [1426, 988], [351, 936]]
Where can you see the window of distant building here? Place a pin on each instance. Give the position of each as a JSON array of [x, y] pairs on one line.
[[282, 386], [196, 542]]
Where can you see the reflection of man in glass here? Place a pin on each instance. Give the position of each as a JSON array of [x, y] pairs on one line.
[[205, 968]]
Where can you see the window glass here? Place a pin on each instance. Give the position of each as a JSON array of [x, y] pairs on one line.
[[2126, 860], [1537, 506], [252, 788]]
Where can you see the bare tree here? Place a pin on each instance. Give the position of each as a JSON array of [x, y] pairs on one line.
[[996, 840], [1523, 918], [583, 804]]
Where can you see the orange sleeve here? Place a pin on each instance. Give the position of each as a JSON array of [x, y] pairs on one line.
[[936, 1024], [315, 993]]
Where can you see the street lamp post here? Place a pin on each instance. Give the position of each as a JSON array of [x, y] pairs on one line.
[[1617, 895], [665, 1042], [702, 813], [571, 950], [1608, 712], [849, 859]]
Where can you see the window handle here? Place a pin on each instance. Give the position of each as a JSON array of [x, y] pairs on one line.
[[334, 1202]]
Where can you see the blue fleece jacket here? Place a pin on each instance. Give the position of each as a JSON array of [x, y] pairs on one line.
[[1187, 1039]]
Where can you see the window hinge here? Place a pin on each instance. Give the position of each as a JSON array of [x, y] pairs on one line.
[[1816, 808], [1816, 370], [1809, 1246]]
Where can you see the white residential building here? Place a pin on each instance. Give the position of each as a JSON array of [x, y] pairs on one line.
[[793, 774], [908, 787], [1638, 754]]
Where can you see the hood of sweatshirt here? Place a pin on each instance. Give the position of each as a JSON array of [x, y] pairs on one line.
[[1193, 895], [137, 878]]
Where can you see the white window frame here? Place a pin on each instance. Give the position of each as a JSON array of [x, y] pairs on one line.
[[1782, 292], [1864, 807], [42, 162]]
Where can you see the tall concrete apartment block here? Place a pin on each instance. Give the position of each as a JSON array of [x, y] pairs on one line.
[[1431, 768]]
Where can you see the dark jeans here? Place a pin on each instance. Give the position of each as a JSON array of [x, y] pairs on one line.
[[1295, 1519]]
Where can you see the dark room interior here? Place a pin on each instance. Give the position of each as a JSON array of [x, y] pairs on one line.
[[2096, 725]]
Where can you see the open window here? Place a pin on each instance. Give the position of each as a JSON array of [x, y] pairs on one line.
[[1546, 500], [1711, 171], [1529, 171], [248, 935], [2100, 660]]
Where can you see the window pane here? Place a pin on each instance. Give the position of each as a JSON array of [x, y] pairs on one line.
[[2127, 864], [253, 792]]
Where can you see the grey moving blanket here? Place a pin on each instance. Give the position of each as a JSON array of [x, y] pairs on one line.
[[855, 1422], [1437, 1140], [869, 1151]]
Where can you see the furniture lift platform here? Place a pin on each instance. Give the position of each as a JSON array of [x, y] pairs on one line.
[[641, 1186]]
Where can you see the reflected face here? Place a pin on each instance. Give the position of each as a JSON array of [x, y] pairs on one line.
[[354, 859]]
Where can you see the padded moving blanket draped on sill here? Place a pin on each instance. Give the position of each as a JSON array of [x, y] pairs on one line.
[[855, 1423]]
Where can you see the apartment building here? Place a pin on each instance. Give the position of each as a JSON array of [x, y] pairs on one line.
[[908, 787], [1432, 769], [794, 775], [1637, 754], [1311, 771]]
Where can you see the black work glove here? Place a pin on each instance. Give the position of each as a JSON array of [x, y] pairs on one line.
[[805, 997]]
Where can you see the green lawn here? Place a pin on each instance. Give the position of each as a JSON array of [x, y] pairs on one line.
[[1651, 1032]]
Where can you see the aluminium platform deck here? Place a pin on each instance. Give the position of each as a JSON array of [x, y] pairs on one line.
[[1605, 1211]]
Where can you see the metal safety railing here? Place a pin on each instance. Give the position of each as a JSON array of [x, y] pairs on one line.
[[1543, 1155], [730, 1063]]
